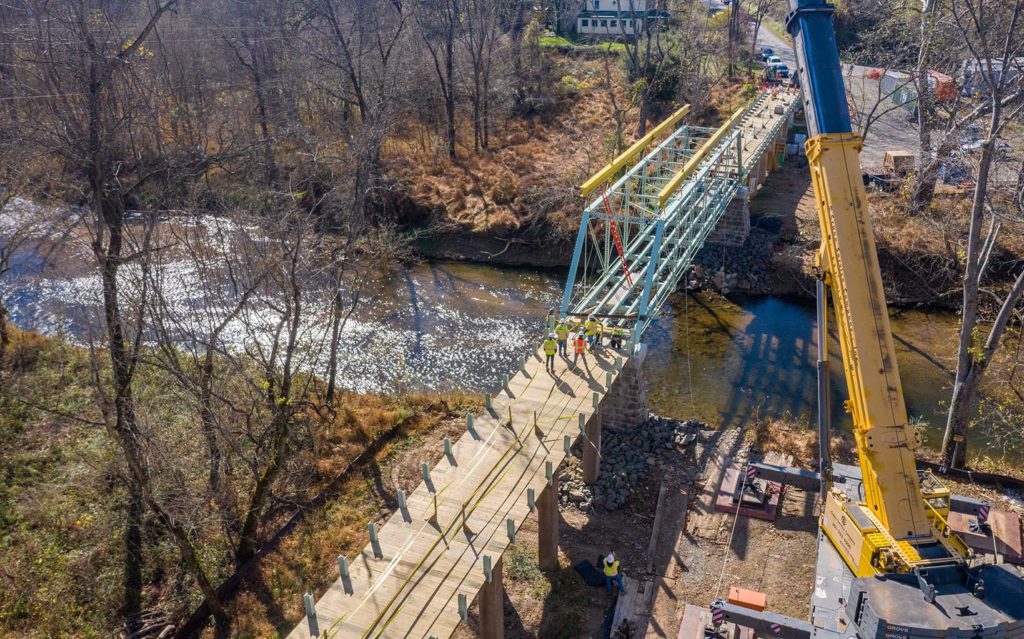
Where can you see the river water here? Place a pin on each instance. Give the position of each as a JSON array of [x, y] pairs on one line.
[[445, 325]]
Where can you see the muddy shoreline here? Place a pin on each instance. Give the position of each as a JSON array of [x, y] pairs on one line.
[[767, 265]]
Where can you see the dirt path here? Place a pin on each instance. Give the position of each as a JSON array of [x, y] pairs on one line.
[[775, 558]]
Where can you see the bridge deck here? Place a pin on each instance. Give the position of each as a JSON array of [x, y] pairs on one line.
[[761, 123], [427, 556], [428, 560]]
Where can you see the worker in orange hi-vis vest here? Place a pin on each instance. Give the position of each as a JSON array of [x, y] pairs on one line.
[[579, 347]]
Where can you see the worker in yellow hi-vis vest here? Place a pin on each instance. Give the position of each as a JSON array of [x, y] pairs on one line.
[[594, 329], [562, 331], [611, 573], [550, 348]]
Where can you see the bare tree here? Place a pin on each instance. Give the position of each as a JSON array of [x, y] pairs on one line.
[[479, 38], [89, 65], [735, 34], [762, 8], [698, 72], [646, 60], [440, 23], [992, 34]]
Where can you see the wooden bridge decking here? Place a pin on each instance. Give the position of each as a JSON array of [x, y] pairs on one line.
[[428, 560], [761, 126]]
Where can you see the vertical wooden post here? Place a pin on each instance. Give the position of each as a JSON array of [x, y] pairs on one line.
[[492, 605], [592, 448], [547, 526]]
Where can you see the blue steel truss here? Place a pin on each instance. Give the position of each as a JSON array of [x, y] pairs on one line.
[[660, 241]]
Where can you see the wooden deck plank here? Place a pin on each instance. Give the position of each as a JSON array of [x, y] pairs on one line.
[[413, 590]]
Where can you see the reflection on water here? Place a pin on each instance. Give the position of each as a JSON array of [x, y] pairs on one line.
[[451, 325], [757, 359]]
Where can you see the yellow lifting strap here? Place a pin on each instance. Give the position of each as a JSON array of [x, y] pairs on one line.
[[698, 157], [626, 156]]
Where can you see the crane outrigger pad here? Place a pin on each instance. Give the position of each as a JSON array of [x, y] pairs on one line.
[[758, 498]]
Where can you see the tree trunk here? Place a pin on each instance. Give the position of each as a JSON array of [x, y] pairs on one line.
[[961, 407], [270, 166], [5, 336], [487, 103], [515, 34], [208, 420], [449, 98], [133, 560], [923, 192], [477, 133], [971, 363], [247, 537], [280, 404], [332, 364]]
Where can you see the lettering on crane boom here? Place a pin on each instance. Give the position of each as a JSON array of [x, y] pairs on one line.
[[897, 632]]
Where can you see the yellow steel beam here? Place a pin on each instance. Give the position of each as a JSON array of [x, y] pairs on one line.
[[626, 156], [692, 164]]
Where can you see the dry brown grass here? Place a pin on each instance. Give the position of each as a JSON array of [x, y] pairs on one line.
[[307, 558], [789, 438], [533, 164]]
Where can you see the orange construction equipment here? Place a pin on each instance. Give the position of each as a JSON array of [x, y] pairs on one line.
[[748, 598]]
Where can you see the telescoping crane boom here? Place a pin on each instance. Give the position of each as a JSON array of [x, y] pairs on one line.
[[909, 574]]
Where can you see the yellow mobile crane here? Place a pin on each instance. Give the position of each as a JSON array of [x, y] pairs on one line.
[[903, 573]]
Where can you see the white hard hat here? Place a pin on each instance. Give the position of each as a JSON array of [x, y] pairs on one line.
[[610, 558], [551, 335]]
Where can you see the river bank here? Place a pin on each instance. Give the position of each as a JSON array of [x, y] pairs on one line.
[[63, 498], [440, 326], [919, 257]]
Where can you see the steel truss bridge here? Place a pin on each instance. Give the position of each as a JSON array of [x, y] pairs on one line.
[[442, 548], [641, 232]]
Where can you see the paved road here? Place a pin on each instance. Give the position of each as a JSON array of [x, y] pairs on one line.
[[891, 130]]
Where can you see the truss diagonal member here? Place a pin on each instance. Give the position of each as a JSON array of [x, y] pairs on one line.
[[626, 156], [615, 236], [691, 165]]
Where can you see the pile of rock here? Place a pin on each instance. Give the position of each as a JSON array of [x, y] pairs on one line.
[[727, 268], [628, 456]]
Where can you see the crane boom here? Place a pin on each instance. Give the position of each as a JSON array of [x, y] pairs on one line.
[[912, 576], [884, 531]]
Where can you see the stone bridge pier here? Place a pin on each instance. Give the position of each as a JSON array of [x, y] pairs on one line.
[[734, 226]]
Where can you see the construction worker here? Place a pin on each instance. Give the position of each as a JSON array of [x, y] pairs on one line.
[[611, 573], [615, 337], [562, 331], [594, 329], [579, 347], [550, 348]]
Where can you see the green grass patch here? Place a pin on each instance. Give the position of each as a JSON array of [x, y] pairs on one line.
[[521, 566], [566, 45], [554, 41]]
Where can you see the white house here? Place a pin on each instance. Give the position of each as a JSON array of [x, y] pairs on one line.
[[611, 18]]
